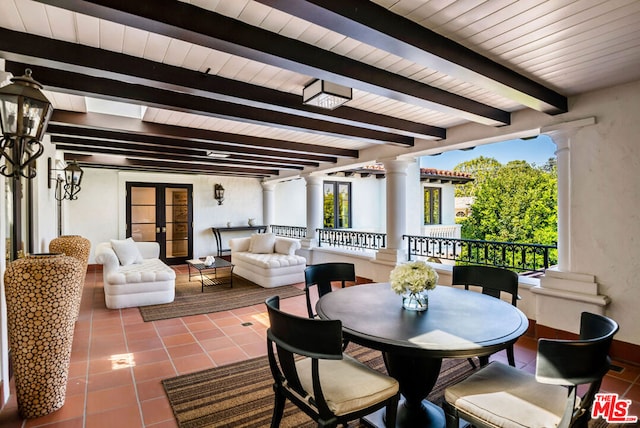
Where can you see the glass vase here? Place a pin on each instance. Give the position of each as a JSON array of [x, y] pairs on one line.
[[418, 301]]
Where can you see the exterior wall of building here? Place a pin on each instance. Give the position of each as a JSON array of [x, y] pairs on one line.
[[605, 200]]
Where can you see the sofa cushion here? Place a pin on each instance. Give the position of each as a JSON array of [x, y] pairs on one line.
[[270, 261], [127, 251], [286, 245], [262, 243], [149, 270]]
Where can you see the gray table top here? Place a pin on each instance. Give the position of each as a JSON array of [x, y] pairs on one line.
[[458, 323]]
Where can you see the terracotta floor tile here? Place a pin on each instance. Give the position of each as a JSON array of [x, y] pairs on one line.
[[151, 356], [227, 356], [145, 344], [185, 350], [247, 337], [211, 333], [159, 370], [110, 379], [150, 389], [106, 399], [156, 410], [193, 363], [123, 417], [217, 343], [178, 339]]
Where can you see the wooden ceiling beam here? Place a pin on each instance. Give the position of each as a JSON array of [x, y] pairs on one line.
[[189, 161], [138, 130], [116, 90], [28, 48], [161, 152], [179, 20], [370, 23], [166, 166]]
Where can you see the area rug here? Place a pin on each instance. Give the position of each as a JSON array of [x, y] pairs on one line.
[[190, 300], [240, 395]]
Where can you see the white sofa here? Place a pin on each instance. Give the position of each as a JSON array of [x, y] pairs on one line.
[[268, 260], [135, 276]]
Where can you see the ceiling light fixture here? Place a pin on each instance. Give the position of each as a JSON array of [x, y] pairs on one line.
[[325, 94], [213, 154]]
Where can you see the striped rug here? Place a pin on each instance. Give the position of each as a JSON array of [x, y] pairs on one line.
[[240, 395], [191, 300]]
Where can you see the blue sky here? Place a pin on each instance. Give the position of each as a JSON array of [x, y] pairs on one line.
[[537, 151]]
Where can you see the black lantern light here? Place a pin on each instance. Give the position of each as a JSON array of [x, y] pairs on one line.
[[24, 115], [69, 186], [218, 193]]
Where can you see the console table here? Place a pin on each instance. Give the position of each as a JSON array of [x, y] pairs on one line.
[[218, 230]]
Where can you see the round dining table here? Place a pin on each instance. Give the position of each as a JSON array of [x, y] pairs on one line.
[[457, 324]]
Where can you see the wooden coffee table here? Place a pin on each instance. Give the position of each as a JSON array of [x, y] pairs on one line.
[[209, 275]]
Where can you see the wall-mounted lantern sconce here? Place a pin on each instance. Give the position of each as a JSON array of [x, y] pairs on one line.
[[24, 116], [70, 184], [218, 193]]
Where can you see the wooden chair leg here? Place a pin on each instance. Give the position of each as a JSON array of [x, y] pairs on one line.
[[278, 408], [473, 365]]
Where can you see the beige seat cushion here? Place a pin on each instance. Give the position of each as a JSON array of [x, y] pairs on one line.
[[508, 397], [347, 384]]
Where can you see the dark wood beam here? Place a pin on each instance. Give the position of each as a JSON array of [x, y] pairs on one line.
[[375, 25], [267, 156], [161, 152], [81, 84], [166, 166], [196, 25], [139, 129], [46, 52]]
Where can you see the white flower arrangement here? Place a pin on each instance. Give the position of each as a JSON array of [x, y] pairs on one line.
[[413, 277]]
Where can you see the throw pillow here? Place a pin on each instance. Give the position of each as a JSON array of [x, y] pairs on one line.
[[262, 243], [127, 251]]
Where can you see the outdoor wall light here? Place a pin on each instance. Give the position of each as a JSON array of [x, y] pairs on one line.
[[24, 115], [69, 186], [325, 95], [218, 193]]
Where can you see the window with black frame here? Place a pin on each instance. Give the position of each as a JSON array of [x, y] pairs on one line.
[[432, 205], [337, 205]]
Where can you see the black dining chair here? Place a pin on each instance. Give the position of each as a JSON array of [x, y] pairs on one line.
[[493, 281], [322, 275], [501, 395], [310, 369]]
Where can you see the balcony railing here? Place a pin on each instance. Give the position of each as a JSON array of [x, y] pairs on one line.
[[289, 231], [351, 239], [510, 255]]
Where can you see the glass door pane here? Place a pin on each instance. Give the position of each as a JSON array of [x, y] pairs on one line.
[[143, 214], [177, 222]]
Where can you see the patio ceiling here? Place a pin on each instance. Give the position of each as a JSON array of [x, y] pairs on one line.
[[225, 77]]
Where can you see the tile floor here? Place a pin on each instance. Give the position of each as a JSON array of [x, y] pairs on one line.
[[118, 361]]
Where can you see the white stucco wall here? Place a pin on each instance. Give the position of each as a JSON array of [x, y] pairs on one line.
[[605, 200], [99, 212]]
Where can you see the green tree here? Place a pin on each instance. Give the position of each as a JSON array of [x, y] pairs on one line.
[[481, 169], [516, 203]]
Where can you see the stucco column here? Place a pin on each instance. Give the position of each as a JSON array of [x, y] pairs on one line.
[[314, 209], [564, 294], [268, 203], [396, 195], [562, 138]]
